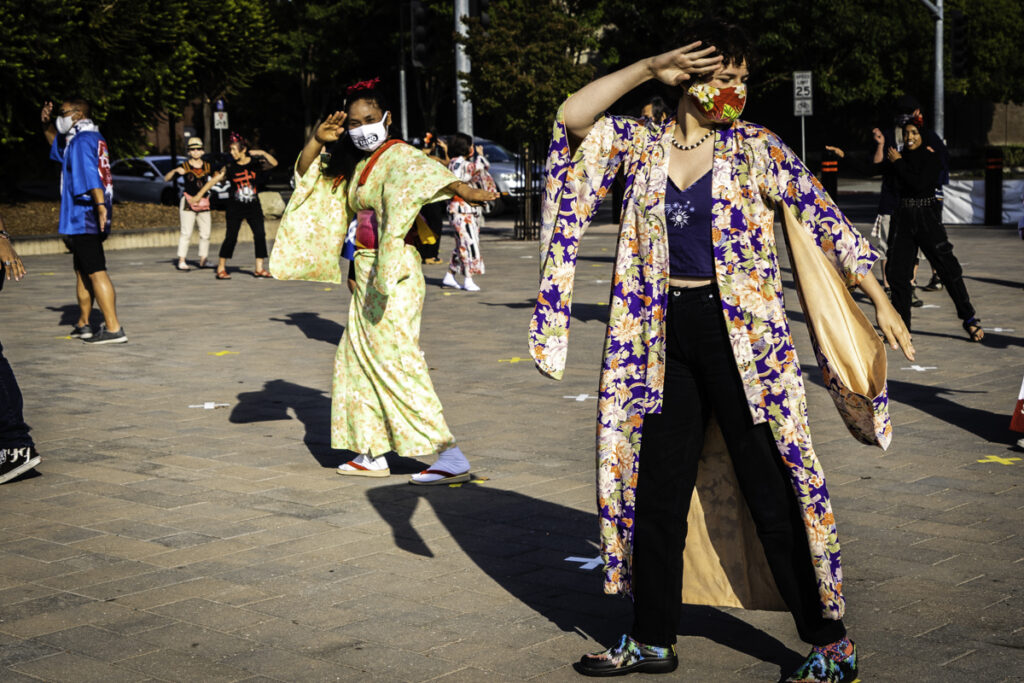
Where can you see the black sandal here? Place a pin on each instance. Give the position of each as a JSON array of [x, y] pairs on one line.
[[974, 329]]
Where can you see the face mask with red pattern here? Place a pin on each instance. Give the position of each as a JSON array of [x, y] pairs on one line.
[[721, 105]]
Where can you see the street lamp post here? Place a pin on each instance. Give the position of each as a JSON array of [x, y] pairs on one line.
[[940, 116], [463, 107]]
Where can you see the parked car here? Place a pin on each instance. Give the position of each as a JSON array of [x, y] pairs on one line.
[[141, 179], [506, 176]]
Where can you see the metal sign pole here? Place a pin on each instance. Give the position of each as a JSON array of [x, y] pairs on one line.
[[803, 140]]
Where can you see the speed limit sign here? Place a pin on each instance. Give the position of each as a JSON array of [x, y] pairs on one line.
[[803, 104]]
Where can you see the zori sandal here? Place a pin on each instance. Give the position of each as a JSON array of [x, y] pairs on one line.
[[446, 478]]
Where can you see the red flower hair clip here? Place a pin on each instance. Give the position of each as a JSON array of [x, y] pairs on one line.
[[363, 85]]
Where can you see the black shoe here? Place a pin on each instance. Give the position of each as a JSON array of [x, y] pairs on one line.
[[629, 656], [105, 336], [934, 285], [915, 300], [16, 461], [81, 331], [835, 663]]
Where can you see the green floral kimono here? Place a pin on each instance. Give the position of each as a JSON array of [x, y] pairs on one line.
[[382, 398]]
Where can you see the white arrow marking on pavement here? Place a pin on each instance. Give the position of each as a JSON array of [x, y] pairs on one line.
[[587, 563], [581, 397], [999, 329], [920, 368], [210, 405], [602, 282], [931, 306], [525, 257]]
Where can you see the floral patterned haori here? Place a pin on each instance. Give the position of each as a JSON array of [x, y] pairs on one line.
[[382, 398], [753, 171]]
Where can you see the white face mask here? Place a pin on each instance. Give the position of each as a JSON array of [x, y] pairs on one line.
[[371, 136], [64, 124]]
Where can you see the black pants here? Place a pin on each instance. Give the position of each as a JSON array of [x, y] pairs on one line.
[[13, 430], [701, 379], [251, 213], [919, 227]]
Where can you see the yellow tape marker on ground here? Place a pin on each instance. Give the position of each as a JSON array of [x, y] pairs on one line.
[[517, 359], [1001, 461], [221, 353]]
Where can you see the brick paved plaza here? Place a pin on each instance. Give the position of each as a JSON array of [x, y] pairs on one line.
[[161, 540]]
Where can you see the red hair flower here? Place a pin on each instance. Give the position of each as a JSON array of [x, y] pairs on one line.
[[363, 85]]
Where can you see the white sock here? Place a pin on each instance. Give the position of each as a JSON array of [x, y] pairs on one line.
[[449, 281], [370, 463], [452, 461], [470, 286]]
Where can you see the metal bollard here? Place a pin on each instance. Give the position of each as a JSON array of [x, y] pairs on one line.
[[994, 186]]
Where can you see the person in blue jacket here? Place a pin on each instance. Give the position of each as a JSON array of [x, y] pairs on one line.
[[86, 202]]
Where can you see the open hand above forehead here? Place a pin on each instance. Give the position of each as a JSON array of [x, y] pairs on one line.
[[684, 63]]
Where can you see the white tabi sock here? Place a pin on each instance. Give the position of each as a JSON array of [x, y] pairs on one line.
[[452, 461], [449, 281], [470, 286], [367, 462]]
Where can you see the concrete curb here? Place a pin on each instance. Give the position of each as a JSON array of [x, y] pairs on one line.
[[136, 239]]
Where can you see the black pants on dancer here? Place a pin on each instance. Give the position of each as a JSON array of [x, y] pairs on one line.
[[916, 226], [251, 213], [701, 380]]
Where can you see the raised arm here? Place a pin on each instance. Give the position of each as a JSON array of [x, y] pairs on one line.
[[266, 156], [587, 105], [49, 130], [177, 170], [214, 179], [329, 130]]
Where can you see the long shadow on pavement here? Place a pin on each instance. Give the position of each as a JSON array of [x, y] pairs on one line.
[[311, 406], [992, 427], [581, 311], [69, 315], [314, 327], [522, 544]]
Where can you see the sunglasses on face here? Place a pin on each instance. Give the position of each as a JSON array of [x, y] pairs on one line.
[[195, 149]]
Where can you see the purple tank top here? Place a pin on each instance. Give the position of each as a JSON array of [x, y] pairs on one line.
[[688, 224]]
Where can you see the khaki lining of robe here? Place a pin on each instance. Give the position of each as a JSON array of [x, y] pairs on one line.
[[848, 339], [723, 560]]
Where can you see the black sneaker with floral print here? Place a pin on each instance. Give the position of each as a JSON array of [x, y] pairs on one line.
[[833, 663], [627, 657]]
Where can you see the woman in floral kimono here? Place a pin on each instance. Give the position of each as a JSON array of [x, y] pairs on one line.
[[699, 349], [383, 399], [469, 165]]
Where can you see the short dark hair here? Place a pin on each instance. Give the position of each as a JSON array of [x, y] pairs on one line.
[[460, 145], [730, 41], [658, 108], [81, 104]]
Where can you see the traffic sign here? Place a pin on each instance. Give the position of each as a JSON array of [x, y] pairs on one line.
[[220, 120], [803, 93]]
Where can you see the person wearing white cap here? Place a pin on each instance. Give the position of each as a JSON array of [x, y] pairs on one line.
[[195, 172]]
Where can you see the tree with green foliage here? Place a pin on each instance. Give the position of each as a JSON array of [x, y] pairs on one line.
[[533, 55], [133, 60]]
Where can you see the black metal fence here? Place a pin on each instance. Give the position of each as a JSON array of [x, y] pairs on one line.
[[529, 189]]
